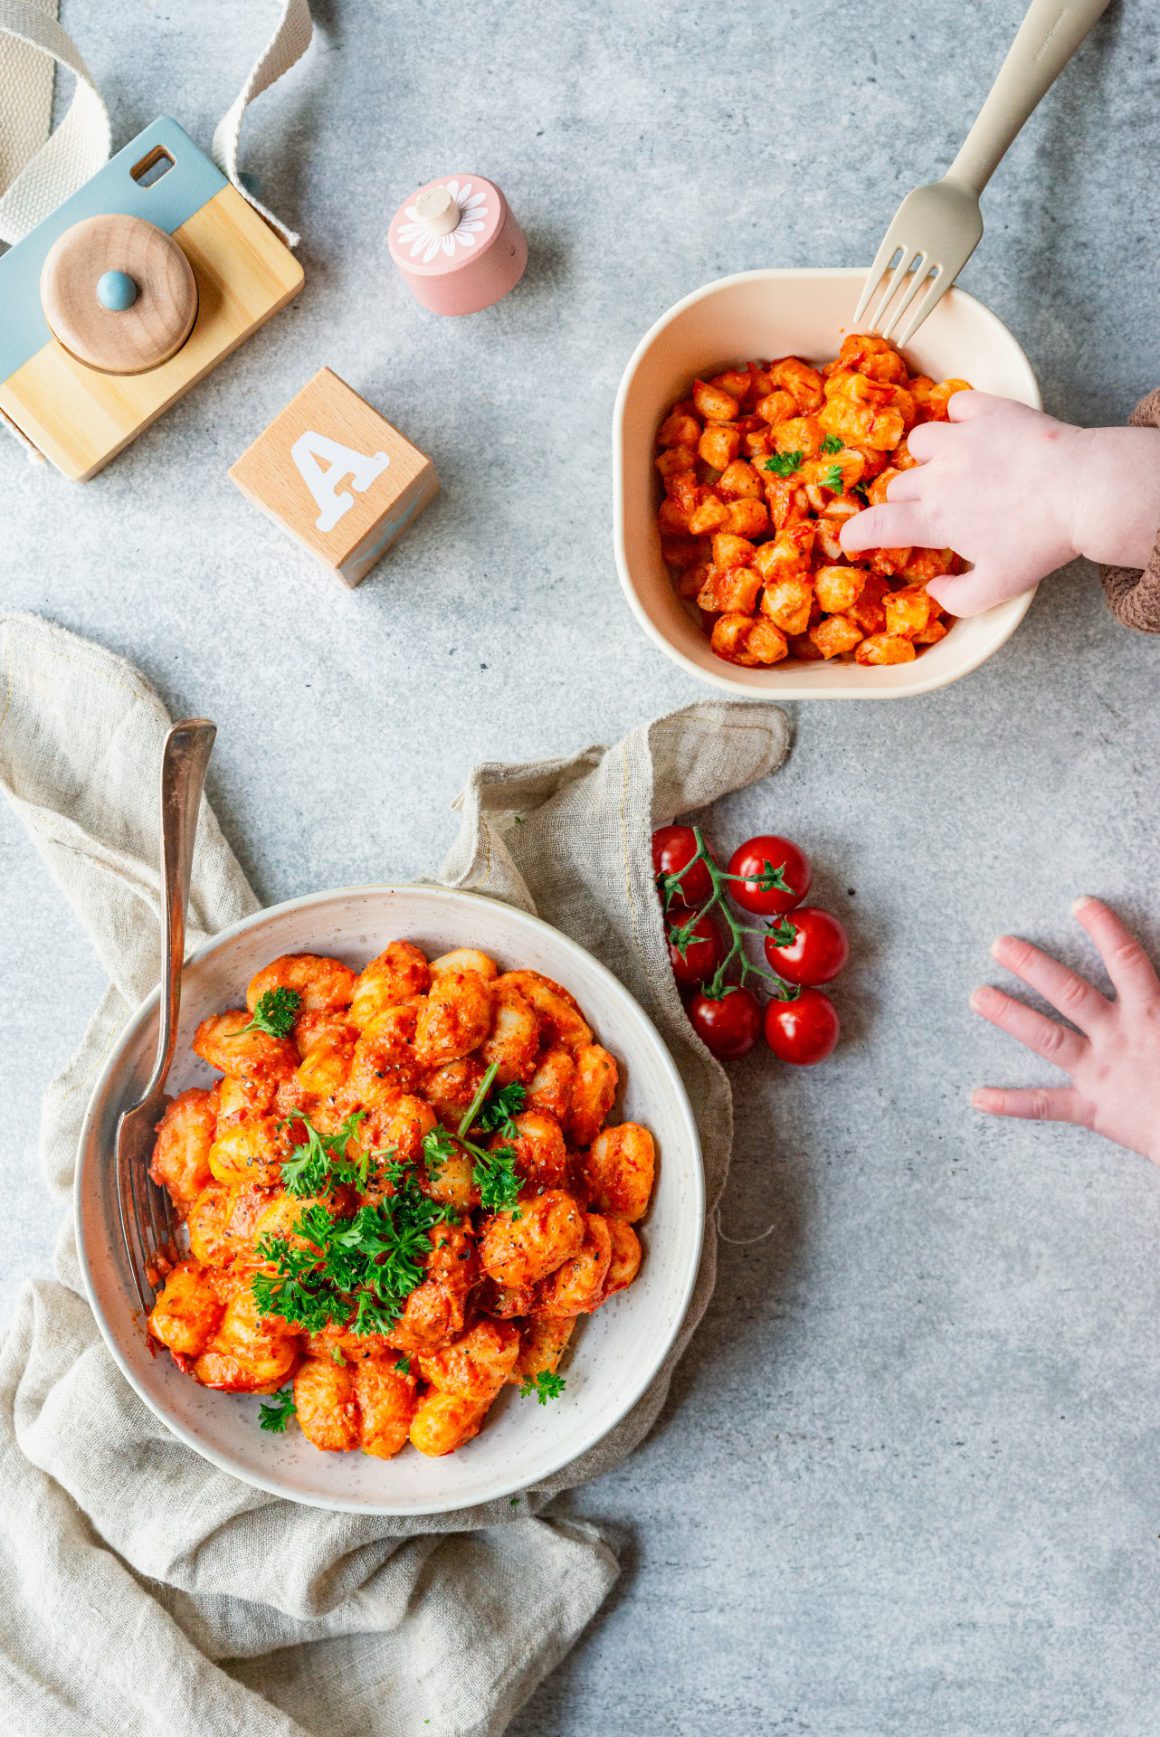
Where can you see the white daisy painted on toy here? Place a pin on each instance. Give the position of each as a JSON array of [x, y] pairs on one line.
[[458, 245], [444, 217]]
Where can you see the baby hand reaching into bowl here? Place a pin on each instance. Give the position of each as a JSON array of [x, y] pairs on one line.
[[1018, 494], [1112, 1059]]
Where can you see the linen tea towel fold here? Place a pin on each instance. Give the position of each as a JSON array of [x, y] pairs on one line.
[[137, 1581]]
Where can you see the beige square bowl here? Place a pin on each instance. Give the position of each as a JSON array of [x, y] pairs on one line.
[[780, 313]]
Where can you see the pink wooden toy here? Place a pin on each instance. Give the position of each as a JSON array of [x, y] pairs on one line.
[[458, 245]]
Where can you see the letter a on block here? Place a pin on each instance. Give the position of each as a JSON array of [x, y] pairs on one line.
[[323, 464]]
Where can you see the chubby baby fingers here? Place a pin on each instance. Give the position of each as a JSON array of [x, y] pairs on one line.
[[1068, 992], [971, 592], [965, 406], [1034, 1103], [923, 443], [908, 485], [1057, 1044], [894, 526], [1129, 967]]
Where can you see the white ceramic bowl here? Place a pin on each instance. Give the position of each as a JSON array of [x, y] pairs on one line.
[[780, 313], [615, 1353]]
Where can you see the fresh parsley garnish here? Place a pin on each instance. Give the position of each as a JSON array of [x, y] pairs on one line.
[[493, 1172], [276, 1412], [500, 1109], [336, 1355], [784, 463], [365, 1266], [438, 1147], [831, 444], [473, 1109], [860, 490], [832, 479], [404, 1366], [322, 1160], [496, 1177], [274, 1013], [545, 1386]]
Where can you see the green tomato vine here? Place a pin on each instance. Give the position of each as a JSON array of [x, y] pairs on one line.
[[781, 931]]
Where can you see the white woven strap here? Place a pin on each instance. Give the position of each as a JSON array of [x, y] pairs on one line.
[[39, 170], [288, 44]]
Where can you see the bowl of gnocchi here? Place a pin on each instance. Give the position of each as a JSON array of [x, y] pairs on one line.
[[750, 423], [438, 1196]]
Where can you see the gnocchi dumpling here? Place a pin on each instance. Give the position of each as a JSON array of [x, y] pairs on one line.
[[185, 1135], [393, 976], [620, 1169], [522, 1247], [365, 1405], [577, 1287]]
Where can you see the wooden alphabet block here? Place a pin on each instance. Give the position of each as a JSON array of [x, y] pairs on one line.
[[337, 476]]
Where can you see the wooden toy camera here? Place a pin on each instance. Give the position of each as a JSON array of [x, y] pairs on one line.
[[127, 295]]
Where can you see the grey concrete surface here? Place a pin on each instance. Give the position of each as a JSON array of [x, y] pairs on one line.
[[907, 1482]]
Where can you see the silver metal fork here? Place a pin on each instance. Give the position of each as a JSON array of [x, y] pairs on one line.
[[938, 226], [148, 1223]]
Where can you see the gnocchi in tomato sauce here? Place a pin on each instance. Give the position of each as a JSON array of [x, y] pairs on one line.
[[400, 1196], [760, 467]]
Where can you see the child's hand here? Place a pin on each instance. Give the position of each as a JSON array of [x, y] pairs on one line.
[[1114, 1057], [1017, 494]]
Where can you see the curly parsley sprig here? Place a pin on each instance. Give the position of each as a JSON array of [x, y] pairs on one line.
[[683, 934], [323, 1161], [274, 1013], [275, 1413], [783, 463], [493, 1171], [358, 1270], [545, 1385]]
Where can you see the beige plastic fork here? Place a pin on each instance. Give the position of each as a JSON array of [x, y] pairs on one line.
[[938, 226], [147, 1222]]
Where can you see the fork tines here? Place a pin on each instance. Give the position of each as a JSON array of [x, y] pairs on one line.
[[911, 272]]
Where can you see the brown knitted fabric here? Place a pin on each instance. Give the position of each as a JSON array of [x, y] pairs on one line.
[[1134, 596]]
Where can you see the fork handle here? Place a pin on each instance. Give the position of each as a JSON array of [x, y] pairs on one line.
[[1047, 39], [188, 747]]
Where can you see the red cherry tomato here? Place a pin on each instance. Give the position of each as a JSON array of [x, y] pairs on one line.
[[804, 1031], [673, 847], [704, 951], [729, 1027], [751, 859], [817, 952]]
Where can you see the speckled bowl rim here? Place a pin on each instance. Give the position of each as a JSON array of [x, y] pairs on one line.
[[688, 1159], [781, 682]]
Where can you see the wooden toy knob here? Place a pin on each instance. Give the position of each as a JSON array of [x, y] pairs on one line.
[[119, 294], [438, 211], [458, 245]]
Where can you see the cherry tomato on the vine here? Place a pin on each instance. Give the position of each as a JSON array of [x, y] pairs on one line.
[[673, 848], [754, 860], [817, 951], [803, 1031], [703, 952], [728, 1027]]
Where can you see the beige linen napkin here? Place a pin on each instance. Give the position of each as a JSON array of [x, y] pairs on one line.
[[139, 1586]]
